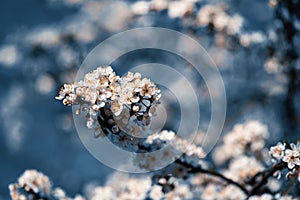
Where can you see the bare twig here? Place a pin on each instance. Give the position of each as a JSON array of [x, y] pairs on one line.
[[199, 169], [261, 178]]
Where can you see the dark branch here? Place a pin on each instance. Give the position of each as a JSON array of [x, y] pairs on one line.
[[261, 178], [199, 169]]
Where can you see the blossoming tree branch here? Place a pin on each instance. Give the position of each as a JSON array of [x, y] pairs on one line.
[[240, 167]]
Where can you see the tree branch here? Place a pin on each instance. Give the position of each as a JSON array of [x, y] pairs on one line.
[[199, 169], [263, 177]]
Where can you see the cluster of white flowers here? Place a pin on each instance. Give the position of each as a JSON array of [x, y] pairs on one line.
[[248, 137], [181, 191], [136, 187], [35, 181], [35, 185], [243, 167], [272, 197], [176, 9], [288, 154], [175, 147], [172, 182], [247, 39], [216, 16], [113, 102], [213, 191]]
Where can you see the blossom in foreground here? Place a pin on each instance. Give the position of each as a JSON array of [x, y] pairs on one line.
[[288, 154], [112, 102], [291, 157], [277, 151]]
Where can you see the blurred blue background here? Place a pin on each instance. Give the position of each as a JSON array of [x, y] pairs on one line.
[[43, 42]]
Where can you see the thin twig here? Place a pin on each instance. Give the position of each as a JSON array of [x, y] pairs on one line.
[[265, 175], [199, 169]]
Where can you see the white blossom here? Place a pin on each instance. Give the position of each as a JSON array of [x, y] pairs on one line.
[[291, 157], [243, 167], [262, 197], [130, 99], [180, 8], [9, 55], [277, 151], [251, 136], [140, 7]]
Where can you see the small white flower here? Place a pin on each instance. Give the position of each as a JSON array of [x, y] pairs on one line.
[[277, 151], [292, 158]]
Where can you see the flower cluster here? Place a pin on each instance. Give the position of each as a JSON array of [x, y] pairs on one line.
[[243, 167], [288, 154], [35, 185], [176, 9], [135, 188], [216, 16], [267, 196], [113, 102], [180, 180], [33, 181], [173, 147], [245, 138], [245, 162], [110, 109], [124, 97]]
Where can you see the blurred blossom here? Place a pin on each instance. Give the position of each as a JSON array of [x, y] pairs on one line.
[[247, 39], [216, 15], [9, 55], [272, 65], [159, 5], [140, 7], [45, 84], [243, 167], [11, 114], [262, 197], [64, 122], [120, 21], [181, 191], [45, 37], [113, 22], [135, 188], [15, 135], [67, 57], [250, 136], [83, 32], [180, 8], [68, 2], [156, 193], [274, 185], [35, 185]]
